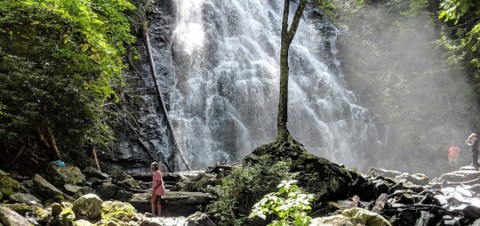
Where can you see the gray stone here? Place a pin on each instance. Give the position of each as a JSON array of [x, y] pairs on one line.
[[107, 190], [56, 209], [45, 188], [60, 175], [174, 203], [89, 206], [71, 189], [26, 198], [9, 217], [334, 220], [199, 219]]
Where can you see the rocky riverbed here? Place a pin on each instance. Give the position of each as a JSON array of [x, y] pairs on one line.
[[67, 195]]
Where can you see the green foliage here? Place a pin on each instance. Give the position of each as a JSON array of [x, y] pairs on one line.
[[289, 204], [454, 9], [242, 188], [464, 33], [60, 62]]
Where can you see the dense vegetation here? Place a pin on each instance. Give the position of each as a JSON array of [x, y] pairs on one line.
[[60, 64]]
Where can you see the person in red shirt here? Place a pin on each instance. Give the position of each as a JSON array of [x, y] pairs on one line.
[[158, 189], [453, 153]]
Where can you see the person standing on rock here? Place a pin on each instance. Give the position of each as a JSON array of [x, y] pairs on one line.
[[472, 140], [158, 189], [453, 152]]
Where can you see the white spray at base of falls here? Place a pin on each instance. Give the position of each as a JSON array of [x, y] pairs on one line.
[[226, 77]]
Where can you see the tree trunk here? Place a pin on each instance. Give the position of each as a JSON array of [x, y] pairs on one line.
[[287, 36], [157, 86]]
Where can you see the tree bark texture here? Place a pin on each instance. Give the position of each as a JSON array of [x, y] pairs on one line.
[[287, 37]]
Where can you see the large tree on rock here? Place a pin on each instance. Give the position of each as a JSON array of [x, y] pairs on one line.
[[284, 144], [283, 135]]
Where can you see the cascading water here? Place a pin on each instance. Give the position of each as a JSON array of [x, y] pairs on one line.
[[223, 101]]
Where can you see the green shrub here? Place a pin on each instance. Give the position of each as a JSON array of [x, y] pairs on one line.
[[240, 190], [289, 204]]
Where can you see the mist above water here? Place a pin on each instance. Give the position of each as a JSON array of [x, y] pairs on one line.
[[397, 67], [224, 99]]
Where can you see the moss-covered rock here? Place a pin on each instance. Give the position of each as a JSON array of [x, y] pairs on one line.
[[327, 180], [117, 210], [8, 185], [38, 213], [89, 206], [61, 175]]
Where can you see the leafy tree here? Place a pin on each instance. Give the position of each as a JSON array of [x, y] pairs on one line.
[[60, 61]]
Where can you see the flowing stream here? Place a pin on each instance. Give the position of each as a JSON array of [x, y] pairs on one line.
[[223, 90]]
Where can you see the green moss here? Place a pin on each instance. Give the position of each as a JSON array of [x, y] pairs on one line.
[[8, 185], [117, 210], [21, 208]]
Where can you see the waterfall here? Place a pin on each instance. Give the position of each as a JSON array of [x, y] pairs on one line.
[[223, 86]]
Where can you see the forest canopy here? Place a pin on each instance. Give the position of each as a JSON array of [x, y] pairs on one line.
[[60, 61]]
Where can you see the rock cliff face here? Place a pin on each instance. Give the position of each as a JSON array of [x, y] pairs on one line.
[[143, 136]]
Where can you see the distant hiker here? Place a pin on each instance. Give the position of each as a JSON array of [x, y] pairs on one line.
[[158, 189], [472, 140], [453, 152]]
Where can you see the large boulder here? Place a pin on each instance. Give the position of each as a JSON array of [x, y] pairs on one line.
[[9, 217], [45, 189], [8, 185], [199, 219], [365, 217], [26, 198], [174, 203], [88, 206], [118, 210], [61, 175], [329, 181], [334, 220]]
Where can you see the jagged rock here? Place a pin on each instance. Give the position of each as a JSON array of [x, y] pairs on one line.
[[89, 206], [118, 210], [460, 176], [9, 217], [334, 220], [130, 183], [23, 209], [151, 222], [119, 175], [71, 189], [43, 188], [92, 172], [418, 178], [56, 209], [26, 198], [365, 217], [123, 195], [174, 203], [472, 212], [83, 223], [8, 185], [107, 190], [199, 219], [386, 173], [60, 175], [203, 181]]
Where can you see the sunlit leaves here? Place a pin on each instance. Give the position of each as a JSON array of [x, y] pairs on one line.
[[289, 204], [454, 9], [70, 52]]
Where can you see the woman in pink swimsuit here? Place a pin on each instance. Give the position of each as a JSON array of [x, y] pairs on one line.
[[158, 189]]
